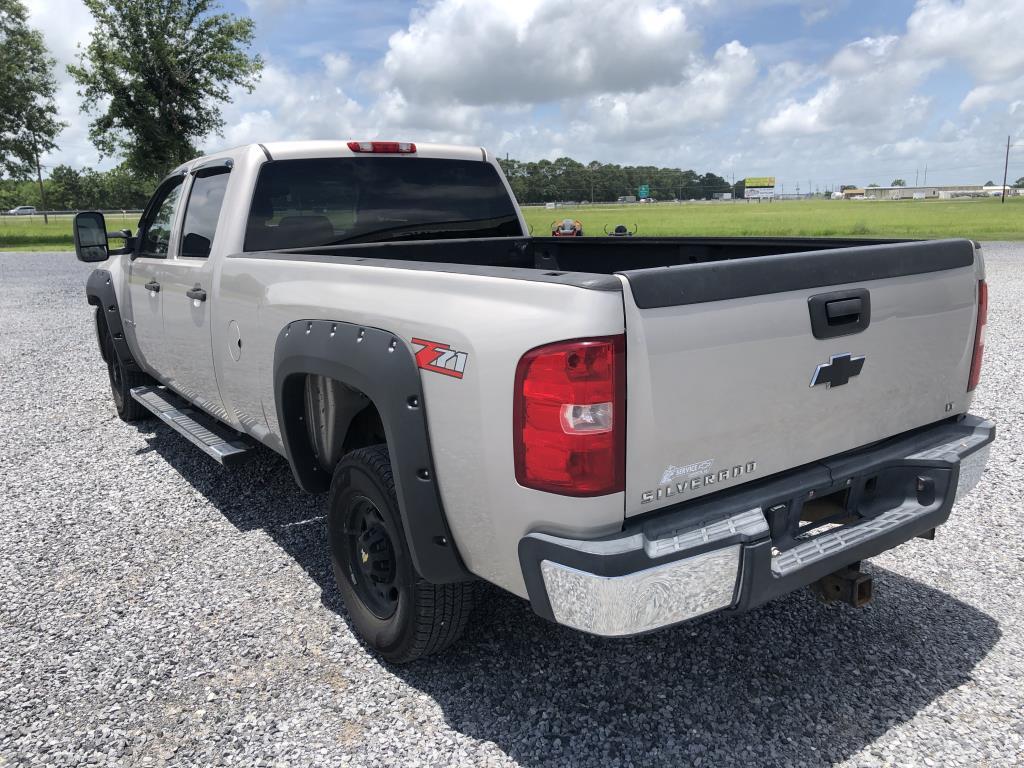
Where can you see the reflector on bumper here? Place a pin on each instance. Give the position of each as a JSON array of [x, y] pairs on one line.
[[644, 600]]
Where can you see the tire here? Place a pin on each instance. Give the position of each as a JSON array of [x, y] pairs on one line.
[[122, 381], [396, 612]]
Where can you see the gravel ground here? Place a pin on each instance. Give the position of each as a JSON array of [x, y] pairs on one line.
[[158, 610]]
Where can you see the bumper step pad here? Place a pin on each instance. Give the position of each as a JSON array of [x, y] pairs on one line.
[[216, 440]]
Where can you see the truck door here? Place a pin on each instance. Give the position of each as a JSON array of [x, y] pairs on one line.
[[146, 273], [187, 291]]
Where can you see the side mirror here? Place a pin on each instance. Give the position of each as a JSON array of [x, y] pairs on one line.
[[91, 237], [196, 246]]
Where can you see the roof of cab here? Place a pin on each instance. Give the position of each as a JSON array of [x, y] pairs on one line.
[[301, 150], [294, 150]]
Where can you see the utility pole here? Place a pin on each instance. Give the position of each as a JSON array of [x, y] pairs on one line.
[[926, 174], [42, 192], [915, 176], [1006, 167]]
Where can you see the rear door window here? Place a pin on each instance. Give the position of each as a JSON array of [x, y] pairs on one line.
[[202, 212], [334, 201]]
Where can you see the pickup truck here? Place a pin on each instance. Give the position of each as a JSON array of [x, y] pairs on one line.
[[627, 432]]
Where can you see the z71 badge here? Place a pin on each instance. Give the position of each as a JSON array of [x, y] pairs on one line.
[[440, 358]]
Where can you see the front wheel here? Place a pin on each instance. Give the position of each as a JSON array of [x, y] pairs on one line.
[[122, 381], [398, 613]]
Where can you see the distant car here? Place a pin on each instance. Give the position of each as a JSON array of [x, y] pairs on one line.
[[23, 210]]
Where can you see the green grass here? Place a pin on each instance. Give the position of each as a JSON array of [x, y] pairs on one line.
[[979, 219], [976, 219], [29, 233]]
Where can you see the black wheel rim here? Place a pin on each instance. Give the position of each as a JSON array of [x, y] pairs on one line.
[[371, 556]]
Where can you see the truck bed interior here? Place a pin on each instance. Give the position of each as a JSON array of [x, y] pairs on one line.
[[589, 255]]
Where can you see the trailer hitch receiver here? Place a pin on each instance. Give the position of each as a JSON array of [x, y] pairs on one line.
[[846, 585]]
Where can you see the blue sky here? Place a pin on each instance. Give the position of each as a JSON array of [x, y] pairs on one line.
[[847, 91]]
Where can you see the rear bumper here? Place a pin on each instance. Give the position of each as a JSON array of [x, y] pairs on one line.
[[734, 550]]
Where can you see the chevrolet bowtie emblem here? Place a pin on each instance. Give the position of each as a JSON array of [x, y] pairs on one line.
[[837, 371]]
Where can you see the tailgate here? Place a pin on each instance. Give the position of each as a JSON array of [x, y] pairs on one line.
[[740, 369]]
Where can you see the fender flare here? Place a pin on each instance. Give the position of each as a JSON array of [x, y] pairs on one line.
[[381, 366], [99, 291]]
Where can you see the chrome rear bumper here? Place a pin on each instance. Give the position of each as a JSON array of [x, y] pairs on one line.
[[719, 553]]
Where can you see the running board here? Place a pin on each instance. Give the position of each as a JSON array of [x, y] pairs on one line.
[[216, 440]]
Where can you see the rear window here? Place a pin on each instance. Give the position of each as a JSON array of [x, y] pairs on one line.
[[334, 201]]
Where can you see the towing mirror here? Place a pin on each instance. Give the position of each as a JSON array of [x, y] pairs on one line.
[[91, 237]]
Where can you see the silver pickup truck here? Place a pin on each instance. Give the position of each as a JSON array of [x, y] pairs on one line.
[[627, 432]]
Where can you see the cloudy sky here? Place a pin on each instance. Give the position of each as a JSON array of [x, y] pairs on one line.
[[818, 92]]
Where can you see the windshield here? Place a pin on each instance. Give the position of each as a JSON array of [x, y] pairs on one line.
[[334, 201]]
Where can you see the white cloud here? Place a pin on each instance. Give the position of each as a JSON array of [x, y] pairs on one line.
[[337, 66], [870, 90], [478, 52], [277, 110], [708, 93], [983, 35]]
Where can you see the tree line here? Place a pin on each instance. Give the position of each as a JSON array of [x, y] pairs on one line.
[[565, 179], [69, 189]]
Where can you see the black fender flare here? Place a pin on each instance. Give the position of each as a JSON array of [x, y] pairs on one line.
[[99, 291], [381, 366]]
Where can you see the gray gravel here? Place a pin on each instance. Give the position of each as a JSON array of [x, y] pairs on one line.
[[157, 610]]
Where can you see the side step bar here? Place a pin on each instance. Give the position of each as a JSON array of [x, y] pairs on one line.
[[216, 440]]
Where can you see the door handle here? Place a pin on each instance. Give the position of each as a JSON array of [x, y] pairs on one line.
[[842, 310], [153, 286], [196, 293], [840, 313]]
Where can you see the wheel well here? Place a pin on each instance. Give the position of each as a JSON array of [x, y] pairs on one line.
[[339, 418]]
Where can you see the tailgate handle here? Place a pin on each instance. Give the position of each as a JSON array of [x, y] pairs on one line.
[[840, 313], [843, 311]]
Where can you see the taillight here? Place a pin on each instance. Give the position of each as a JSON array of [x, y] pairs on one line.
[[569, 417], [979, 336], [393, 147]]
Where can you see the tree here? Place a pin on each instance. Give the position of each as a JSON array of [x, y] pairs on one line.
[[712, 183], [872, 184], [65, 187], [844, 187], [159, 87], [898, 183], [28, 111], [1019, 183], [990, 183]]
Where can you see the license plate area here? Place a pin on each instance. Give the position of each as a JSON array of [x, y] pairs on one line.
[[854, 500]]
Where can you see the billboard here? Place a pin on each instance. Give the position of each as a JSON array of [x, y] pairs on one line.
[[759, 187]]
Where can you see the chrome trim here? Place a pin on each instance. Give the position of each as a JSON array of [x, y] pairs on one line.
[[613, 606]]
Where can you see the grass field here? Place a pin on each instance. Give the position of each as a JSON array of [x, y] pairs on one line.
[[976, 219], [29, 233]]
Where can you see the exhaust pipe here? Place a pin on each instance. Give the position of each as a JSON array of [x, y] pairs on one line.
[[847, 585]]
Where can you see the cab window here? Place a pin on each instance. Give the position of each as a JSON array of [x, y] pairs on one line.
[[158, 223], [203, 209]]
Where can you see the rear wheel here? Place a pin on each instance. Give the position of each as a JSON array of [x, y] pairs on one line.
[[122, 381], [398, 613]]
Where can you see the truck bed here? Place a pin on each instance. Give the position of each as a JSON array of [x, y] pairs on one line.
[[585, 255]]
